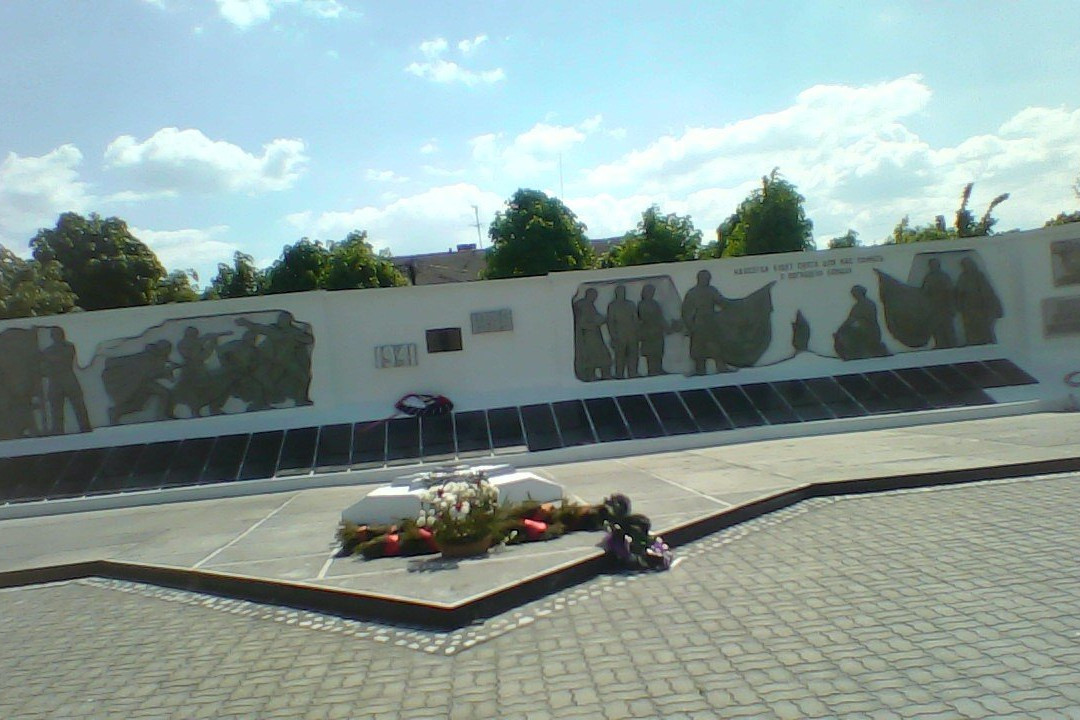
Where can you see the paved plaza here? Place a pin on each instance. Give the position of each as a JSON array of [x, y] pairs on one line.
[[957, 602]]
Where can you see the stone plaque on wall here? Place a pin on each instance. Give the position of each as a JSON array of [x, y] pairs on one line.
[[1061, 315], [489, 321], [391, 356], [1065, 262], [440, 340]]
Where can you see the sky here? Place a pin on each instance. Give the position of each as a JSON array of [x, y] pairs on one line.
[[213, 126]]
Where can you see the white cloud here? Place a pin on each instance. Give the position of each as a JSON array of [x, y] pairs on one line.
[[440, 70], [467, 46], [531, 155], [443, 172], [824, 120], [447, 72], [433, 48], [176, 160], [852, 154], [430, 147], [328, 9], [384, 176], [34, 190], [200, 249], [426, 222], [244, 14], [592, 124]]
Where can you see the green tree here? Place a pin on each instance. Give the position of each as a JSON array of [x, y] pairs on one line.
[[1064, 218], [770, 220], [241, 279], [657, 239], [345, 265], [905, 233], [354, 264], [103, 263], [301, 267], [965, 221], [29, 288], [964, 225], [849, 239], [177, 287], [535, 235]]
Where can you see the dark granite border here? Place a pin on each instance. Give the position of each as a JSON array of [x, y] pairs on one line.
[[369, 606]]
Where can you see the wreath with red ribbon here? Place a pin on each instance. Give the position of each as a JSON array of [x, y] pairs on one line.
[[422, 405]]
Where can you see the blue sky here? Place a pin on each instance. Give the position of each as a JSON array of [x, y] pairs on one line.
[[221, 125]]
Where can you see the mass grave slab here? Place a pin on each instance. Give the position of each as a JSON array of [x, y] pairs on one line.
[[401, 498]]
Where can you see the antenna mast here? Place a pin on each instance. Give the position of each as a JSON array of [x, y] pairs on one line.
[[479, 236]]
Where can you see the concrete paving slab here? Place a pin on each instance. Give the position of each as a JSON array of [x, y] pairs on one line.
[[294, 567], [434, 579], [290, 535], [945, 603]]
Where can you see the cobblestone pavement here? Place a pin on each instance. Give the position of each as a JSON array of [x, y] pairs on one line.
[[960, 602]]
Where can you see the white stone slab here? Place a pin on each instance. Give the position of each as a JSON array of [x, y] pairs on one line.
[[401, 498]]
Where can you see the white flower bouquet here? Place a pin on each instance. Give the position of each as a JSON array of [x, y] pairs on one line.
[[463, 509]]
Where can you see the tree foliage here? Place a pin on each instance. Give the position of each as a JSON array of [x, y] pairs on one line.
[[963, 226], [1064, 218], [346, 265], [241, 279], [536, 234], [301, 267], [177, 287], [103, 263], [29, 288], [355, 264], [770, 220], [657, 239], [849, 239], [965, 221]]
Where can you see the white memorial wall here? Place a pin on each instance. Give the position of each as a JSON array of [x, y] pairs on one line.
[[521, 339]]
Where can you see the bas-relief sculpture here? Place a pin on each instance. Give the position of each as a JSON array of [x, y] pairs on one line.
[[860, 335], [183, 368], [38, 384], [732, 332], [211, 365], [924, 310], [619, 326], [631, 335]]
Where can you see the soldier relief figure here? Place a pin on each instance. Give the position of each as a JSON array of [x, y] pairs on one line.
[[267, 366], [132, 381], [622, 322], [652, 328], [591, 354], [731, 332], [917, 315], [937, 286], [977, 303], [699, 307], [58, 362], [860, 335]]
